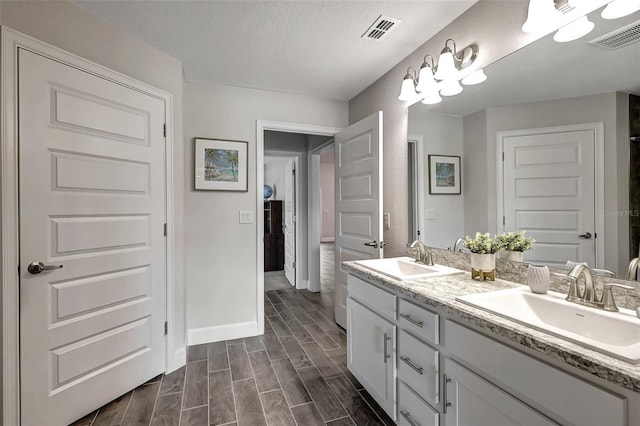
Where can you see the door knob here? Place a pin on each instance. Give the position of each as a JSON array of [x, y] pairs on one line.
[[586, 235], [373, 244], [37, 267]]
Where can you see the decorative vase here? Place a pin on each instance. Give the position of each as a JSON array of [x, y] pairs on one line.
[[538, 278], [483, 266], [516, 256]]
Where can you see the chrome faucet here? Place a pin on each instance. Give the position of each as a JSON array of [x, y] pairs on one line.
[[423, 255], [633, 269], [457, 243], [589, 296]]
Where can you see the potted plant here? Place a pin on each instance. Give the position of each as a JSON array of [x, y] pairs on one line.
[[514, 244], [483, 259]]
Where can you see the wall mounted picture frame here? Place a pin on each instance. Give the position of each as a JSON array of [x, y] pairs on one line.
[[444, 174], [221, 165]]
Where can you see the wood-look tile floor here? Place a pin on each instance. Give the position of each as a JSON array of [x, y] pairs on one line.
[[294, 374]]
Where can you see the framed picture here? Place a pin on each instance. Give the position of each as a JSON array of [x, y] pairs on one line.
[[444, 174], [221, 165]]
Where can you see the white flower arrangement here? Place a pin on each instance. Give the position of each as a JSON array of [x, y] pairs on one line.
[[483, 244], [515, 241]]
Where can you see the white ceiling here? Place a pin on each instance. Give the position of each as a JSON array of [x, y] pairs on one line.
[[547, 70], [306, 47]]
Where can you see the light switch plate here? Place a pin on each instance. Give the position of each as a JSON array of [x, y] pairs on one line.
[[431, 214], [387, 220], [246, 216]]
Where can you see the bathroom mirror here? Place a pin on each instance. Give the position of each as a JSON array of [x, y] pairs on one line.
[[563, 88]]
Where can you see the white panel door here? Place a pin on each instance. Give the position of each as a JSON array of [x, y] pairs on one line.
[[289, 222], [92, 185], [549, 191], [358, 195]]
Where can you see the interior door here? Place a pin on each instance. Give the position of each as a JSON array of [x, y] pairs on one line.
[[289, 222], [358, 194], [92, 203], [549, 191]]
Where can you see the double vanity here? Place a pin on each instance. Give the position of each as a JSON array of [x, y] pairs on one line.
[[434, 347]]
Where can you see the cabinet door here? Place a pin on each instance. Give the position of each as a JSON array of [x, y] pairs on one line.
[[472, 401], [371, 354]]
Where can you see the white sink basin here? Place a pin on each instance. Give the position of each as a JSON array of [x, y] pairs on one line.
[[406, 268], [613, 333]]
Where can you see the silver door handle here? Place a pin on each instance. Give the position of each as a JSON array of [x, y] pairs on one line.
[[37, 267], [586, 235], [373, 244]]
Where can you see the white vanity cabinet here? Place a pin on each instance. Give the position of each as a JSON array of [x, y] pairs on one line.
[[425, 367], [472, 401], [371, 341]]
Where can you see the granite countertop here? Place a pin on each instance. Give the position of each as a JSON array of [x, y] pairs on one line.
[[441, 292]]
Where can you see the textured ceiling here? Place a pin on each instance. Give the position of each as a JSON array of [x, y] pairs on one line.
[[306, 47], [547, 70]]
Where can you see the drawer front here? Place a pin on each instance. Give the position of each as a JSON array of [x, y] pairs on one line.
[[419, 321], [418, 367], [381, 302], [412, 411]]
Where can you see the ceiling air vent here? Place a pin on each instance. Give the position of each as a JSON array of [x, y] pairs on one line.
[[619, 38], [380, 28]]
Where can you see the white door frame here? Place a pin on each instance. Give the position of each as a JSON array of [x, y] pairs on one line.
[[9, 218], [314, 214], [598, 129], [418, 140], [261, 127]]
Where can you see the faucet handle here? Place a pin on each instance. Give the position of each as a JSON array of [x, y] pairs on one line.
[[603, 272], [573, 294], [608, 302]]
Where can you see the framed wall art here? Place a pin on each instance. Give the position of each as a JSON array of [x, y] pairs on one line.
[[221, 165], [444, 174]]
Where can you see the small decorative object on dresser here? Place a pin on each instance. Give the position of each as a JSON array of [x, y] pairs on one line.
[[538, 278], [514, 244], [483, 258]]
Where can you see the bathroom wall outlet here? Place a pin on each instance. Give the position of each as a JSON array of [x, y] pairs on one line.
[[246, 216], [387, 220], [431, 214]]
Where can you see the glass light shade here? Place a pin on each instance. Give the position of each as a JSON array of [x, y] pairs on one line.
[[426, 83], [619, 8], [450, 88], [432, 99], [408, 90], [573, 31], [446, 66], [475, 77], [542, 17]]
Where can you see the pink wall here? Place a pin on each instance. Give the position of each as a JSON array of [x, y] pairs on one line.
[[327, 190]]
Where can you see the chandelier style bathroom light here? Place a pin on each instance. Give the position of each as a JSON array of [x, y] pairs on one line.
[[619, 8], [444, 79]]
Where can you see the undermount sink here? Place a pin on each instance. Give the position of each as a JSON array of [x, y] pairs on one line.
[[406, 268], [613, 333]]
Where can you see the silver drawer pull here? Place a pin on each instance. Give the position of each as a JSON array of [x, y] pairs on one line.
[[384, 343], [407, 417], [407, 361], [412, 321]]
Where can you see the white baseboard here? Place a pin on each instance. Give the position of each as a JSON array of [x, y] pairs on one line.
[[303, 285], [196, 336], [328, 239]]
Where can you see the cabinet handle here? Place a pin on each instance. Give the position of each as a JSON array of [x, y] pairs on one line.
[[412, 321], [407, 417], [444, 394], [407, 361], [386, 356]]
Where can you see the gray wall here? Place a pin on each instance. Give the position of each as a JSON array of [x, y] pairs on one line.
[[478, 25], [220, 254], [474, 181]]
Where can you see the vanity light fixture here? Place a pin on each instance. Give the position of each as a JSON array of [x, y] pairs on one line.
[[574, 30], [443, 78], [408, 89], [542, 17], [619, 8]]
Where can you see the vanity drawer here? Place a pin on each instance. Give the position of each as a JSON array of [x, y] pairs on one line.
[[412, 411], [418, 367], [419, 321], [381, 302]]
